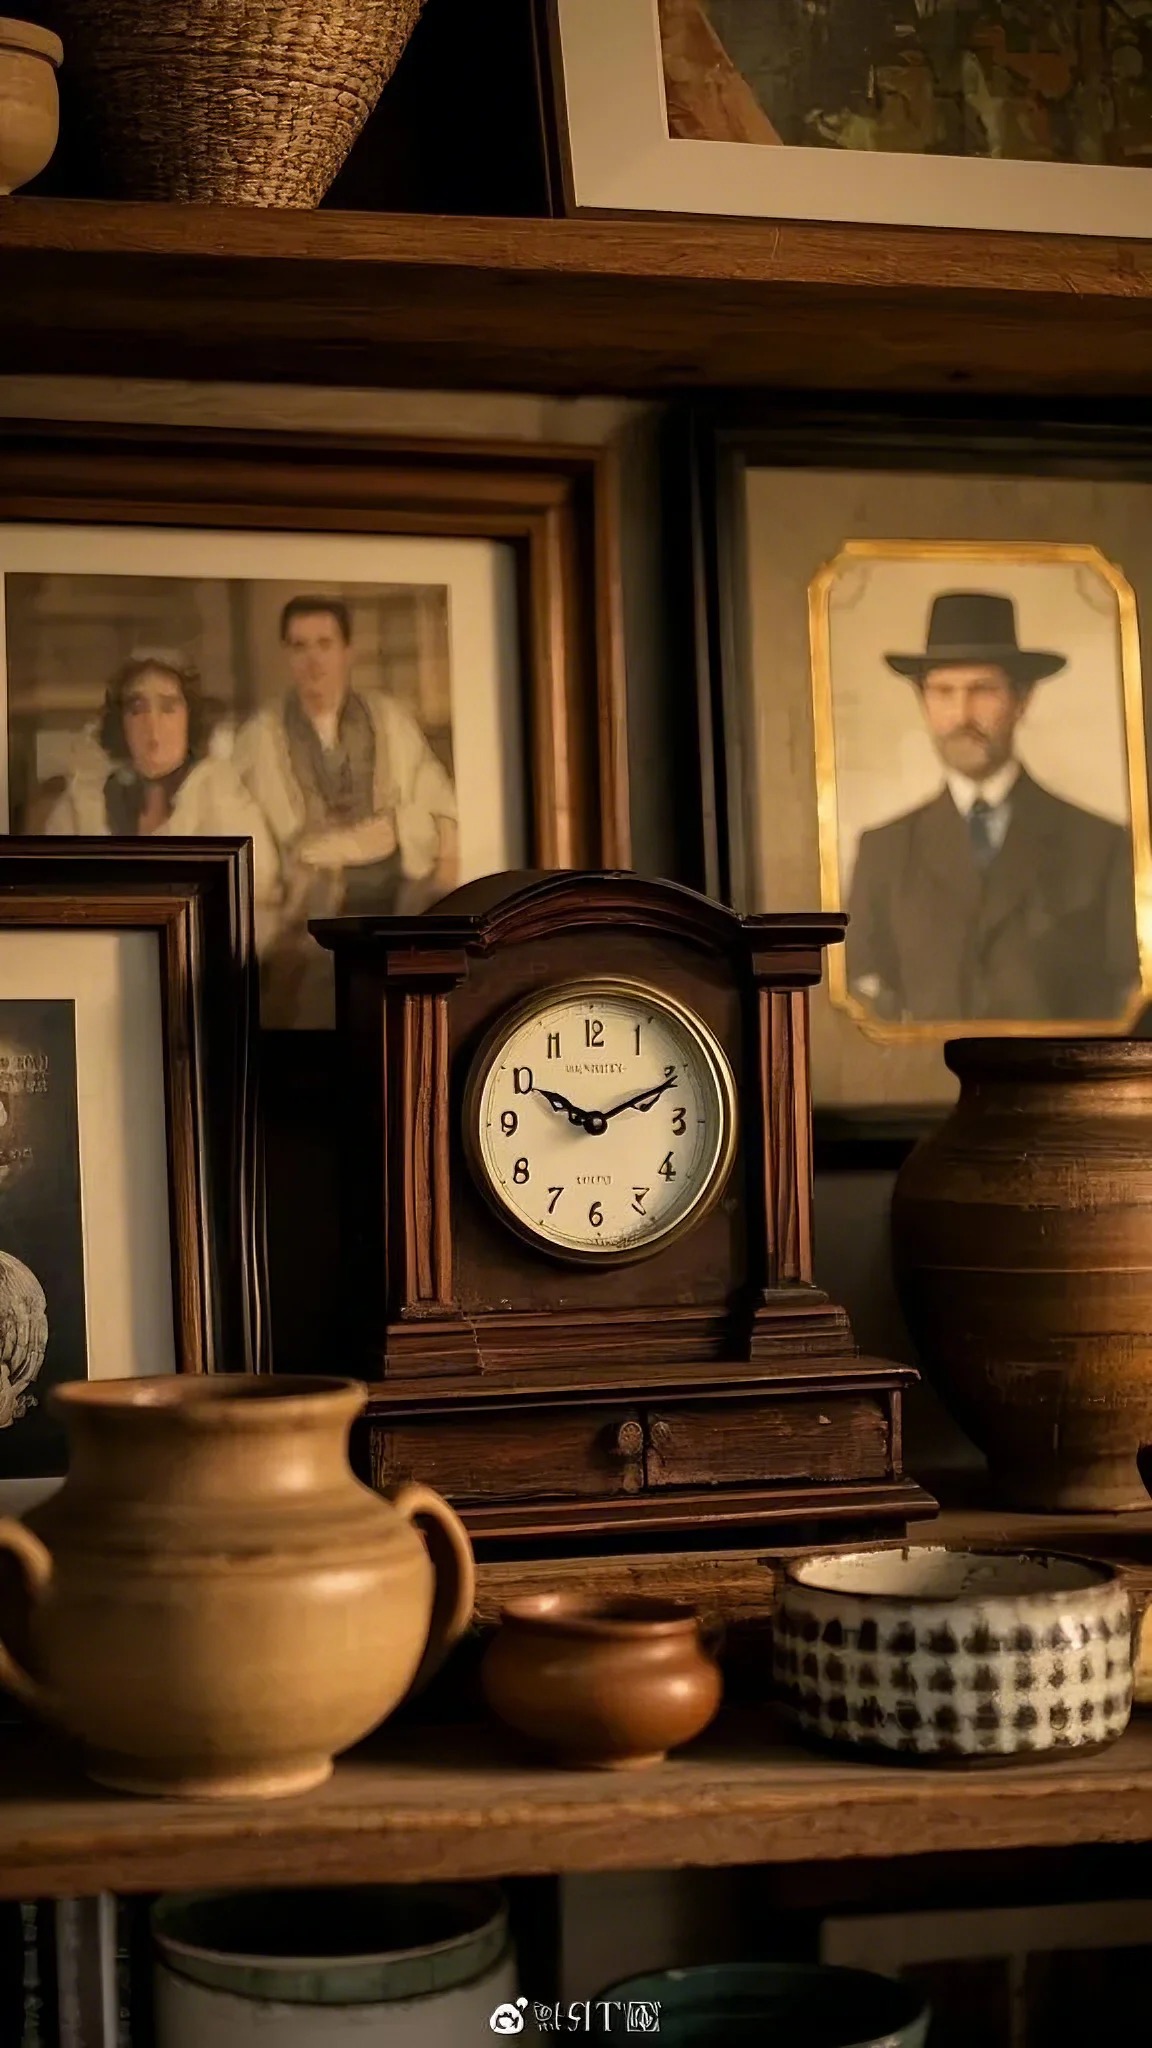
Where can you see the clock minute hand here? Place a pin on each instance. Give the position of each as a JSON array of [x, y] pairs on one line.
[[643, 1102]]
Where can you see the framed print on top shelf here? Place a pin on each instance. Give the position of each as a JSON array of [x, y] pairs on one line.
[[1031, 115], [393, 665], [922, 699], [131, 1215]]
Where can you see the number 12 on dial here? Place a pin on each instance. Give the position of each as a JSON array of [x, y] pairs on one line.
[[600, 1120]]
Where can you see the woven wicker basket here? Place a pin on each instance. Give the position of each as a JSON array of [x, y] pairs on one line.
[[242, 102]]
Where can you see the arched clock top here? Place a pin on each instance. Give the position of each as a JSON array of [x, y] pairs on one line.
[[523, 906]]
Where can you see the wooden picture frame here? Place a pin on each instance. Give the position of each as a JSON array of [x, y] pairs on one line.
[[712, 451], [175, 1041], [553, 506]]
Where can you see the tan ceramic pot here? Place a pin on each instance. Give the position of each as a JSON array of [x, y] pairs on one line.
[[219, 1606], [1022, 1234], [611, 1684], [29, 101]]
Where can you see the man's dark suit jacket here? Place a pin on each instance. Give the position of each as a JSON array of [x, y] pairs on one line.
[[1046, 930]]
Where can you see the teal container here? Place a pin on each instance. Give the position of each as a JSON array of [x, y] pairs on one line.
[[770, 2005]]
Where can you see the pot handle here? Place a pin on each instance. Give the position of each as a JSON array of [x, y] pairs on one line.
[[453, 1564], [35, 1561]]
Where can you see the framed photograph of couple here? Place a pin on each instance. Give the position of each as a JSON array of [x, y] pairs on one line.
[[391, 666], [921, 688]]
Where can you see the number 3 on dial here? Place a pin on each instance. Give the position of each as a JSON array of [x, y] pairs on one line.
[[600, 1120]]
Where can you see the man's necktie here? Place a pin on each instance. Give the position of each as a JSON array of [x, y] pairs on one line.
[[980, 832]]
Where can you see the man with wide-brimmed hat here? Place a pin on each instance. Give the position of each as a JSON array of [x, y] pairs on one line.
[[997, 899]]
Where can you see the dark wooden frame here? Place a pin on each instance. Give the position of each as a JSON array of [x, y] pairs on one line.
[[708, 450], [196, 896], [556, 506]]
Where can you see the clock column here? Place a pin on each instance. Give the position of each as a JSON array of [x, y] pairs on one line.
[[393, 1019], [789, 1311]]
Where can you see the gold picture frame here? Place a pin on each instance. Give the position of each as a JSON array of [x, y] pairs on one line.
[[999, 556], [776, 496]]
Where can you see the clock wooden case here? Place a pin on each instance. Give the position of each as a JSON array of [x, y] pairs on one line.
[[577, 1216]]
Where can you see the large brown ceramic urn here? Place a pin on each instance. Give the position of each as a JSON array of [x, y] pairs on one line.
[[1022, 1233], [219, 1606]]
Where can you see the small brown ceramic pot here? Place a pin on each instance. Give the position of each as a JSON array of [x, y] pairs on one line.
[[602, 1684]]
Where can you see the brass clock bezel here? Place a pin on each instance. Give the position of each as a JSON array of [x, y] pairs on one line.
[[483, 1060]]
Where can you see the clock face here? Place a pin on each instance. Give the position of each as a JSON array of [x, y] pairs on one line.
[[600, 1120]]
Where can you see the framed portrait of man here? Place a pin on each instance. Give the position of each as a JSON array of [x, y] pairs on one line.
[[393, 667], [926, 708], [982, 798]]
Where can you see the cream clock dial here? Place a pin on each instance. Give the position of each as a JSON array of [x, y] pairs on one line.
[[600, 1120]]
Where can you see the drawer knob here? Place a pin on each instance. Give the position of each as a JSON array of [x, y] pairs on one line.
[[629, 1439]]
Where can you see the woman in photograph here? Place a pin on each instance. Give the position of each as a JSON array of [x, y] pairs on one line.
[[149, 768]]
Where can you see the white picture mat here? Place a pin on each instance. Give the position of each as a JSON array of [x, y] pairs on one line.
[[624, 160], [113, 977], [479, 575]]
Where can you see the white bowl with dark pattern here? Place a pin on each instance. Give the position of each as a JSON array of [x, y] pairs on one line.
[[955, 1656]]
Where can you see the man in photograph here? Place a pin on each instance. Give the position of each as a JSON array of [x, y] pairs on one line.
[[996, 900], [345, 777], [362, 810]]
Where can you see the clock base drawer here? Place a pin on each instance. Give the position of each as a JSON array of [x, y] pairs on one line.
[[538, 1454], [749, 1443], [601, 1453]]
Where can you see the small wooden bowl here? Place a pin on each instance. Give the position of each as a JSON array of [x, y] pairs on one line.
[[601, 1684]]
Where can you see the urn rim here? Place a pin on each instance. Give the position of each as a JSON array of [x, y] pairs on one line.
[[1049, 1059]]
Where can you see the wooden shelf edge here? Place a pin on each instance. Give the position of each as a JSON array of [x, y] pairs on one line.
[[738, 253], [625, 306], [457, 1802]]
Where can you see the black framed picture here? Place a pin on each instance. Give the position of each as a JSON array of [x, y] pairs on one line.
[[131, 1206], [918, 643]]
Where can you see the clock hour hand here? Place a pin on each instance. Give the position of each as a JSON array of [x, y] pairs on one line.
[[561, 1103], [642, 1102]]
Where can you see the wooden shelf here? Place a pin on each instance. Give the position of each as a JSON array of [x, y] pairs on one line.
[[584, 305], [457, 1803]]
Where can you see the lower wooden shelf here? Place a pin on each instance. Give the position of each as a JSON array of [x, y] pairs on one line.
[[459, 1802]]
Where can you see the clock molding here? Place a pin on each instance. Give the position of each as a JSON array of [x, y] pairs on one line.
[[708, 1383]]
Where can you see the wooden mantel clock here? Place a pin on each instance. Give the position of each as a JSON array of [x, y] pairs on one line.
[[578, 1217]]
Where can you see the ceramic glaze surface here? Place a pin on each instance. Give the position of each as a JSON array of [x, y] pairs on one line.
[[192, 2016], [609, 1684], [219, 1607], [1022, 1243], [362, 1966], [955, 1655], [776, 2005], [29, 101]]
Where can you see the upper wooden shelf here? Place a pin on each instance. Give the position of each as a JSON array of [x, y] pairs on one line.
[[627, 306], [458, 1803]]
